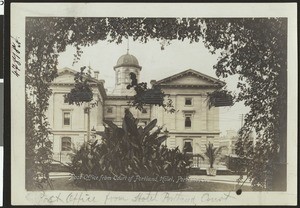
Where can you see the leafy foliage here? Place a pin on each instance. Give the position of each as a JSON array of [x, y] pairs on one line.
[[255, 49], [40, 62], [38, 152], [82, 91], [126, 152], [236, 164], [219, 98], [212, 153], [144, 96]]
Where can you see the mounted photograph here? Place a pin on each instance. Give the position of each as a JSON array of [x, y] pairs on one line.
[[166, 108]]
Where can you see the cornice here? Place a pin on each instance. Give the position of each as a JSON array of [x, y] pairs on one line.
[[194, 73], [120, 97], [194, 133], [188, 86]]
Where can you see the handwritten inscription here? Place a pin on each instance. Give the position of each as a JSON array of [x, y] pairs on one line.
[[15, 55], [208, 198], [178, 197], [111, 198], [145, 197], [151, 197], [71, 198], [114, 198]]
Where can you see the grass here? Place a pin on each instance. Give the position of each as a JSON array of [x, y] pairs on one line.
[[66, 184]]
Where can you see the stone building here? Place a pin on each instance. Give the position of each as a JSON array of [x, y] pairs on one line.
[[191, 127], [193, 124], [68, 123], [116, 102], [229, 140]]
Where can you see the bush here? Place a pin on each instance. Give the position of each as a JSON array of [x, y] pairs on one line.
[[236, 164], [129, 158]]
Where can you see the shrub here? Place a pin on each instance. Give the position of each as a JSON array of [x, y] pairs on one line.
[[129, 158], [236, 164]]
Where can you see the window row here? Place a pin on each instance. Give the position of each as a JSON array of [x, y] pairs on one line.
[[188, 102], [110, 110], [67, 119], [188, 145]]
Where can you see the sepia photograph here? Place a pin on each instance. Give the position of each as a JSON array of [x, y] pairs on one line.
[[183, 107]]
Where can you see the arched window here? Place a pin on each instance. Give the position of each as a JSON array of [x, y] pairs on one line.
[[187, 147], [127, 77], [66, 144], [119, 77]]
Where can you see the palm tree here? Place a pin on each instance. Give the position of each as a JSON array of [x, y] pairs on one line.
[[212, 153]]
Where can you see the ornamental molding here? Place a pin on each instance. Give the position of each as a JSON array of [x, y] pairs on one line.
[[190, 72], [115, 97], [199, 133], [190, 86], [188, 112]]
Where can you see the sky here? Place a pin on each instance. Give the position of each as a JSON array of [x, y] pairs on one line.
[[156, 64]]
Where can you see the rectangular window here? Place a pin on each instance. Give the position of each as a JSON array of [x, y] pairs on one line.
[[188, 121], [66, 144], [67, 119], [144, 110], [188, 101], [109, 110]]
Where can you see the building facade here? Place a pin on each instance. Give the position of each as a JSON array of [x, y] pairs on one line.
[[68, 123], [191, 127], [193, 124]]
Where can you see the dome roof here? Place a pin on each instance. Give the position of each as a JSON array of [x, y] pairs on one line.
[[127, 60]]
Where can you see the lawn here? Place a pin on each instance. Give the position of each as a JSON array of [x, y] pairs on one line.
[[66, 184]]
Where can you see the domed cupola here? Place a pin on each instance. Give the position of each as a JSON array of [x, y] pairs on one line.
[[128, 60], [126, 64]]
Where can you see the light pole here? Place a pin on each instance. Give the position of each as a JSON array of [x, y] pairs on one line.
[[87, 111], [93, 131]]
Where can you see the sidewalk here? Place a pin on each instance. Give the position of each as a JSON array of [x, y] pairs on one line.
[[53, 175], [229, 179]]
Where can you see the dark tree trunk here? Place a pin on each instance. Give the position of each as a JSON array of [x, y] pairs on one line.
[[279, 180]]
